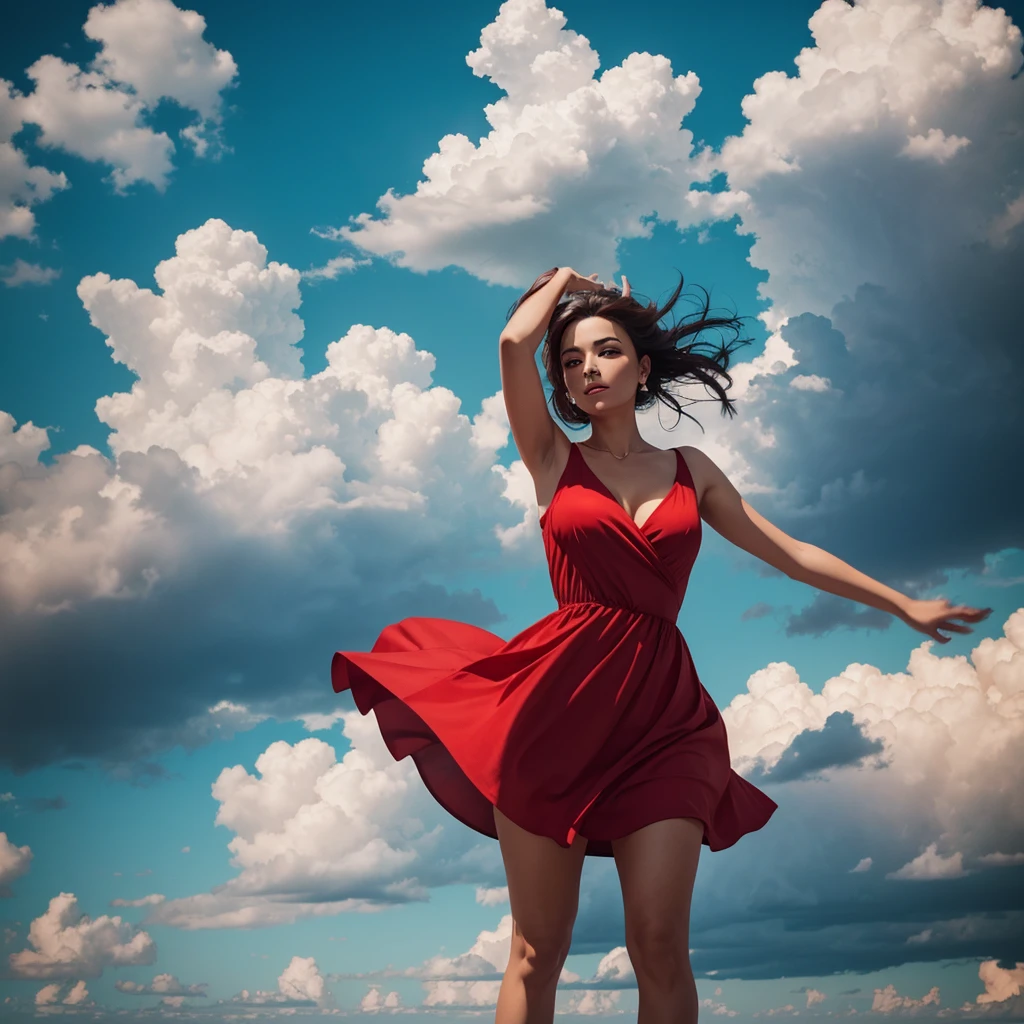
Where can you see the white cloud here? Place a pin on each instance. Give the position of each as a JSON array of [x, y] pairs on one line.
[[948, 725], [144, 901], [21, 186], [851, 859], [719, 1009], [23, 445], [491, 897], [20, 272], [158, 50], [931, 864], [77, 996], [936, 145], [150, 51], [314, 835], [301, 980], [876, 69], [67, 943], [1001, 983], [887, 1000], [573, 162], [220, 386], [341, 487], [374, 1000], [47, 995], [163, 985], [871, 287], [334, 268], [300, 984], [14, 862], [85, 113]]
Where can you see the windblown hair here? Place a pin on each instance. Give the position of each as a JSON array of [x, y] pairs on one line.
[[669, 363]]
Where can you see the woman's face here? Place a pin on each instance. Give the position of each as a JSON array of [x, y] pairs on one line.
[[596, 351]]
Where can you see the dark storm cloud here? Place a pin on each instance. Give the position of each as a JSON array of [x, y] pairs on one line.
[[907, 466], [810, 920], [839, 742], [828, 612], [243, 620]]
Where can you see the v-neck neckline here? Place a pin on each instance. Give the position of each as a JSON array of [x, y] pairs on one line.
[[611, 497]]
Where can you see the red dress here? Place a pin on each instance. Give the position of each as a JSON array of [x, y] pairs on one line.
[[591, 721]]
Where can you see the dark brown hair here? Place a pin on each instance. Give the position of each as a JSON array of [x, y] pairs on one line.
[[642, 324]]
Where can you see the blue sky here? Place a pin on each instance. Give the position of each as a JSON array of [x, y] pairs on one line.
[[181, 560]]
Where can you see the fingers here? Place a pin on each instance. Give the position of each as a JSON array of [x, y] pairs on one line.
[[625, 287], [963, 612]]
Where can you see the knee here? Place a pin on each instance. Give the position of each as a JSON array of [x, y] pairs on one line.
[[540, 954], [659, 953]]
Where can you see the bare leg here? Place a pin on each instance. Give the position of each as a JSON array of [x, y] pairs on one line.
[[543, 889], [657, 866]]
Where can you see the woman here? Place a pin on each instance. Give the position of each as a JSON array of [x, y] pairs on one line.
[[589, 733]]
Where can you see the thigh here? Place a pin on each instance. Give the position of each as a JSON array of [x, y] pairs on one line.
[[543, 886], [657, 866]]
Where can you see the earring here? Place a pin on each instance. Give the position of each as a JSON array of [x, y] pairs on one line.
[[643, 385], [571, 399]]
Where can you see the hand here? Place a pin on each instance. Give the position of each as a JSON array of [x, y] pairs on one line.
[[930, 616], [579, 283]]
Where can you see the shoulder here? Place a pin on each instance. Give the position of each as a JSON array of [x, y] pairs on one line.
[[703, 470]]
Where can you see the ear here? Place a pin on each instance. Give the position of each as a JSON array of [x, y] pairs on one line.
[[645, 366]]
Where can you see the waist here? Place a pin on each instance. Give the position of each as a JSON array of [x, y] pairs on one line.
[[638, 612]]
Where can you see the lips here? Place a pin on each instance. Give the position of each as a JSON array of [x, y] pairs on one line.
[[595, 387]]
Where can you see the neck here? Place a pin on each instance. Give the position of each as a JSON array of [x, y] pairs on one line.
[[618, 438]]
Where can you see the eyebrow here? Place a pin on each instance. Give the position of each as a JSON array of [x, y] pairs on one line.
[[599, 341]]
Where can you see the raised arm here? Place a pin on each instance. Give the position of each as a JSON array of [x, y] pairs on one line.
[[533, 428], [723, 509]]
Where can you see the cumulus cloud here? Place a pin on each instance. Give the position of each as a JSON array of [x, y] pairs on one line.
[[85, 114], [161, 985], [315, 835], [159, 51], [887, 999], [67, 942], [1001, 983], [22, 185], [897, 318], [574, 161], [14, 862], [899, 109], [66, 995], [240, 493], [150, 50], [300, 984], [374, 1000], [873, 861]]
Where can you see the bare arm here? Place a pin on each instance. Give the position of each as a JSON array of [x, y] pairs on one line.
[[528, 323], [533, 429], [728, 514]]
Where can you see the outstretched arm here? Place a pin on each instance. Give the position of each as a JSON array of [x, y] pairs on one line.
[[727, 513]]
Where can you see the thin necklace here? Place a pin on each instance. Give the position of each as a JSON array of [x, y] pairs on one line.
[[638, 451]]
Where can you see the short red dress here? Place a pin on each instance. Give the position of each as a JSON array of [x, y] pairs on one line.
[[592, 721]]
